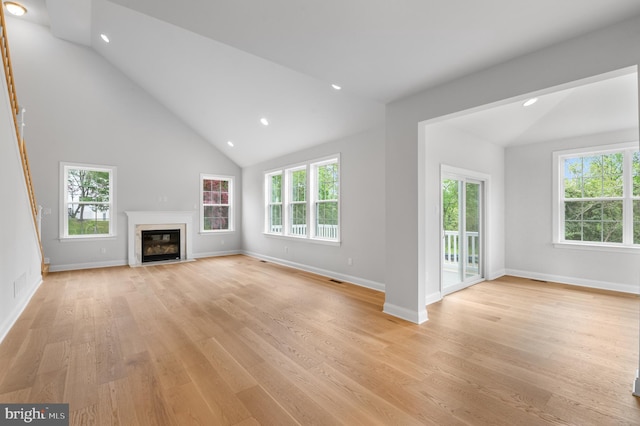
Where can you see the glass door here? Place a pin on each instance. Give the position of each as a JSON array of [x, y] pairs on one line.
[[461, 261]]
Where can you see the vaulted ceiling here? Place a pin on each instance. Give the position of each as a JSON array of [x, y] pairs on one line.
[[222, 65]]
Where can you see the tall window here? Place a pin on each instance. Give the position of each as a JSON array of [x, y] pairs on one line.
[[298, 201], [216, 203], [599, 196], [274, 203], [301, 195], [88, 201], [326, 201]]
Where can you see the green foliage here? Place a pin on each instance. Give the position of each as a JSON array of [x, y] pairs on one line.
[[591, 186], [450, 200], [88, 190], [88, 227]]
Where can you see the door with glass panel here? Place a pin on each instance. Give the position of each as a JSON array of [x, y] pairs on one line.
[[462, 232]]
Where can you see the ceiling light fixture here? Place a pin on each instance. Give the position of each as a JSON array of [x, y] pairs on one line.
[[230, 144], [15, 8], [530, 102], [336, 87], [264, 121], [104, 38]]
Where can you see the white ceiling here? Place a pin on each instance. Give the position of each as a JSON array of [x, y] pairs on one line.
[[221, 65]]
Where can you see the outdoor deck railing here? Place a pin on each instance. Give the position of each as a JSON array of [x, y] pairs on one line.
[[451, 248]]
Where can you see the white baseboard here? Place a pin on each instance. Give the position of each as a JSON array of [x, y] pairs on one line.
[[493, 275], [9, 322], [433, 298], [362, 282], [636, 384], [406, 314], [88, 265], [601, 285], [216, 254]]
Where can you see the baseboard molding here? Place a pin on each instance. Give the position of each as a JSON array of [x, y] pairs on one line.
[[636, 384], [18, 310], [494, 275], [406, 314], [216, 254], [89, 265], [600, 285], [433, 298], [362, 282]]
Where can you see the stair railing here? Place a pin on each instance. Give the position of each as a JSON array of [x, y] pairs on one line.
[[19, 124]]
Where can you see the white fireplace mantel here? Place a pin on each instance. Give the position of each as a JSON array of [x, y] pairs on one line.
[[159, 219]]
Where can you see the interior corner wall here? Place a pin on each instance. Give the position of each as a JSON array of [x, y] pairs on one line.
[[446, 145], [362, 213], [81, 109], [20, 273], [612, 48], [530, 250]]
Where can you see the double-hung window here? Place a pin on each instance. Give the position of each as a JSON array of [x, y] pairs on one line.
[[598, 200], [88, 201], [303, 201], [216, 203]]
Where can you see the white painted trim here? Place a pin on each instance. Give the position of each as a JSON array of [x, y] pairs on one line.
[[216, 254], [362, 282], [8, 324], [495, 275], [636, 384], [601, 285], [87, 265], [406, 314], [433, 298]]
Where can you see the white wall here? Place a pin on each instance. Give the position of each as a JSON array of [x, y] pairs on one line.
[[81, 109], [446, 145], [530, 252], [19, 251], [610, 49], [362, 213]]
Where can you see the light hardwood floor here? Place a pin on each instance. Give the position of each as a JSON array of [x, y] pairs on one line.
[[233, 340]]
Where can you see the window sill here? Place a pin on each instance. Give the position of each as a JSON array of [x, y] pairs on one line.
[[304, 239], [597, 247], [216, 232]]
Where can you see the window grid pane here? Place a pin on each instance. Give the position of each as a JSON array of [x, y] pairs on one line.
[[88, 201], [216, 202], [593, 191]]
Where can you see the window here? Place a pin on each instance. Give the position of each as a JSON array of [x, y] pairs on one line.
[[216, 203], [599, 196], [274, 203], [297, 201], [304, 194], [88, 201]]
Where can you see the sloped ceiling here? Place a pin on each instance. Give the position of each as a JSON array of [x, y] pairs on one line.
[[222, 65]]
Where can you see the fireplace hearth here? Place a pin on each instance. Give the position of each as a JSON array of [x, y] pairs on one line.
[[160, 245]]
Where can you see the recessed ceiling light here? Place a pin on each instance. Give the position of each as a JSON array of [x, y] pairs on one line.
[[336, 87], [15, 8], [230, 144], [530, 102], [104, 38], [264, 121]]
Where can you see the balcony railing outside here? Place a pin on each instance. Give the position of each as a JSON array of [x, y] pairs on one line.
[[451, 250], [329, 232]]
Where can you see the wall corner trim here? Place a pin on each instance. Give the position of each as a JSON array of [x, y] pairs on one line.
[[416, 317]]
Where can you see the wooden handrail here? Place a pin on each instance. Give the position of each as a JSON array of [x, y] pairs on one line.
[[15, 107]]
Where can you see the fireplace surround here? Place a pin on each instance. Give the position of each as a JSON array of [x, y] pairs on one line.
[[160, 222]]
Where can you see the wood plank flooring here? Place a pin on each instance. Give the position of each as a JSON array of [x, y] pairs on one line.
[[236, 341]]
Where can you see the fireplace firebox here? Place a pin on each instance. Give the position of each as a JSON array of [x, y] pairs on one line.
[[159, 245]]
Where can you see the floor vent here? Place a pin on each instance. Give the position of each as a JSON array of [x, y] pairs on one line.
[[538, 281], [335, 281], [263, 261]]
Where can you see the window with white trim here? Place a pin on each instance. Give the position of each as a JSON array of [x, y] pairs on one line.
[[216, 203], [88, 201], [303, 200], [598, 199]]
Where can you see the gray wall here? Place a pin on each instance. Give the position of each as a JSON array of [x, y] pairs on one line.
[[19, 251], [362, 213], [81, 109], [530, 250], [613, 48]]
